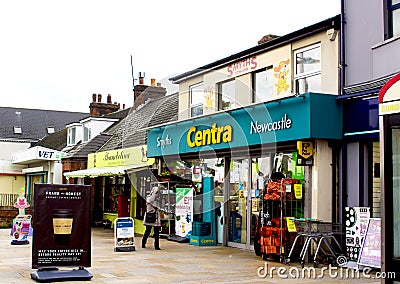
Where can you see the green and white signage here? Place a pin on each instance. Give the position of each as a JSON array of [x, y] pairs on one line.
[[293, 118]]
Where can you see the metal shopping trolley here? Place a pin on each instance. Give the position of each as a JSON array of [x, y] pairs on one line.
[[322, 234]]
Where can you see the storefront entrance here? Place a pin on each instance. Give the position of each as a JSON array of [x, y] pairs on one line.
[[392, 193], [238, 201]]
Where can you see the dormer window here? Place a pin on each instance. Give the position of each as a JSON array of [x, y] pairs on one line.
[[17, 130], [50, 130], [86, 134], [71, 136]]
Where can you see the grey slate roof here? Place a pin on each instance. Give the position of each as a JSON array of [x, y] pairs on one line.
[[119, 114], [126, 133], [82, 150], [34, 122], [56, 140]]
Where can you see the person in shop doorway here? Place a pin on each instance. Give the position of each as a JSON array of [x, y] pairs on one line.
[[152, 208]]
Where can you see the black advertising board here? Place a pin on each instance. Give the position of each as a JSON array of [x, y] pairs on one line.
[[371, 249], [61, 226]]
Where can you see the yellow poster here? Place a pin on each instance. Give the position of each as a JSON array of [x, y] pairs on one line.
[[305, 149], [121, 157], [298, 191], [291, 225]]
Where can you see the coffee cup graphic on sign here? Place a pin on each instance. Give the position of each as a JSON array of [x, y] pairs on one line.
[[62, 225]]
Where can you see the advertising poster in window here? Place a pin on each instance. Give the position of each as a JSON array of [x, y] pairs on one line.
[[61, 225], [184, 212]]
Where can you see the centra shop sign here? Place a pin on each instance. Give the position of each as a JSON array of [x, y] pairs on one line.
[[210, 136]]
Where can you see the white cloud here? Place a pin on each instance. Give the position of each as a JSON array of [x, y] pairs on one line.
[[55, 54]]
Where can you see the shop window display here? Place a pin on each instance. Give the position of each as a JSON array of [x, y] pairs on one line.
[[281, 199]]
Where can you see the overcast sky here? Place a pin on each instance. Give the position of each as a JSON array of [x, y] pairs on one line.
[[56, 54]]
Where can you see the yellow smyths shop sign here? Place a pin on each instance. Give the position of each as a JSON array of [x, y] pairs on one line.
[[122, 157]]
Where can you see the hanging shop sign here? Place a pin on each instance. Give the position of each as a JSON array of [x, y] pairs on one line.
[[289, 119], [121, 157], [305, 153], [36, 154], [61, 225]]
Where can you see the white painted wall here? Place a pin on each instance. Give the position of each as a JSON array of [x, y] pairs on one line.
[[321, 195]]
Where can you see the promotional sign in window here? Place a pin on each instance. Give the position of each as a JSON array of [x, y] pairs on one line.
[[61, 225], [184, 211]]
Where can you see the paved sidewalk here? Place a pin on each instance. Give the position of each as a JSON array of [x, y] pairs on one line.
[[175, 263]]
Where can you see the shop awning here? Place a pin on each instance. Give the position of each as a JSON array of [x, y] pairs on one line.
[[104, 171]]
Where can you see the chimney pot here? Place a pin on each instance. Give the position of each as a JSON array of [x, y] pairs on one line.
[[94, 98], [158, 84], [153, 82], [99, 98], [123, 106], [141, 80], [109, 98], [119, 106]]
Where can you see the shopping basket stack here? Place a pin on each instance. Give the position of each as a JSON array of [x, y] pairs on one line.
[[322, 235]]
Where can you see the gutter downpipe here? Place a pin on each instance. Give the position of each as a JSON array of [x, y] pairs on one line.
[[343, 197]]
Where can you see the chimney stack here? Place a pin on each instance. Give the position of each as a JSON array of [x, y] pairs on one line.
[[99, 109], [141, 78], [143, 93], [267, 38]]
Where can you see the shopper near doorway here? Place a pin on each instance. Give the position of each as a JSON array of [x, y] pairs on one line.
[[152, 218]]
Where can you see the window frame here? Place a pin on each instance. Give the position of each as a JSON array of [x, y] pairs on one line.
[[391, 9], [86, 134], [297, 76], [254, 82], [221, 95], [71, 136], [193, 89]]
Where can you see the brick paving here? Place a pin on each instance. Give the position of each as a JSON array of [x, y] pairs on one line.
[[175, 263]]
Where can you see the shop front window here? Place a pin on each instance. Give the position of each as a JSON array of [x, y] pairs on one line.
[[263, 83], [396, 190], [238, 191], [196, 100], [394, 18], [308, 69], [227, 96]]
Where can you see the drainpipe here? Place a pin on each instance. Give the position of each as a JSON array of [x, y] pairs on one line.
[[342, 49], [49, 173]]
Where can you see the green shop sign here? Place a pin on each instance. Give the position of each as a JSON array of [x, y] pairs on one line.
[[294, 118]]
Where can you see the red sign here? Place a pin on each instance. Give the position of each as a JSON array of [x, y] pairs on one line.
[[243, 66]]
